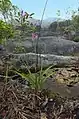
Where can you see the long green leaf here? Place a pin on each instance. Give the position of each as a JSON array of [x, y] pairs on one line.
[[47, 70]]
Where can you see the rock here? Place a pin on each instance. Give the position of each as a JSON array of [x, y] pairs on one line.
[[60, 80], [43, 116], [46, 45], [67, 76], [1, 63], [65, 73], [2, 49], [73, 74], [46, 60]]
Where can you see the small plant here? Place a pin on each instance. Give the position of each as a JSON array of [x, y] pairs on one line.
[[36, 80]]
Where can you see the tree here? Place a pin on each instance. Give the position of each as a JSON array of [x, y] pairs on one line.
[[5, 7], [7, 10]]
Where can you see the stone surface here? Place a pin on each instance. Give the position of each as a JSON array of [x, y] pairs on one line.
[[47, 45], [67, 77], [45, 60], [68, 87]]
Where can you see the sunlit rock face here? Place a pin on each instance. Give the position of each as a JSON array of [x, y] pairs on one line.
[[43, 59]]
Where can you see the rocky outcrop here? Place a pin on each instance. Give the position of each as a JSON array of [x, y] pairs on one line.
[[44, 59], [46, 45]]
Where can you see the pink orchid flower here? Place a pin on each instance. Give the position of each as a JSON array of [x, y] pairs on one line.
[[34, 36]]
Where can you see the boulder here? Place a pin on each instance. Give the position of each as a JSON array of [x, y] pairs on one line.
[[43, 59], [55, 45]]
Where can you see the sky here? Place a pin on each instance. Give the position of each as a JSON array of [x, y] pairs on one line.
[[37, 6]]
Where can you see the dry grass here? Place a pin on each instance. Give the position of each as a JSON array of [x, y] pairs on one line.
[[16, 104]]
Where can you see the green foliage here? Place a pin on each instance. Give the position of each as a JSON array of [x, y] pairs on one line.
[[19, 49], [36, 80], [24, 26], [10, 14], [5, 6], [7, 10], [6, 31], [75, 22], [76, 39], [22, 17], [66, 26], [63, 25]]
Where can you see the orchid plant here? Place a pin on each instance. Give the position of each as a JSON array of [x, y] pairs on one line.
[[36, 80]]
